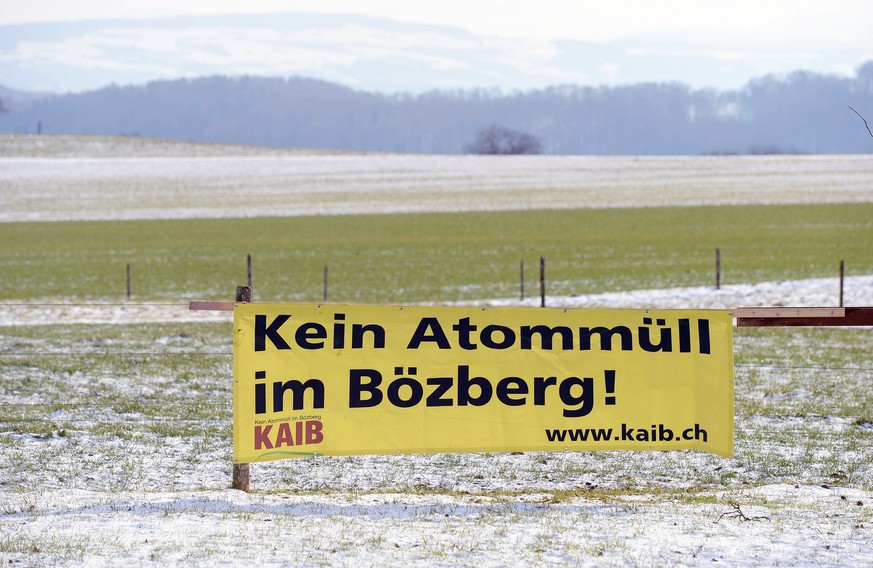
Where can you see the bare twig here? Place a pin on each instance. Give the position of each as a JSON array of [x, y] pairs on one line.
[[864, 119], [737, 513]]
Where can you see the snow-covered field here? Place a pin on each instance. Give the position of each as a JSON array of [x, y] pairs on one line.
[[798, 491], [794, 525], [129, 179], [109, 456]]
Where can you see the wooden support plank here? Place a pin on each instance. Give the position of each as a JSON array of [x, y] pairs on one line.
[[852, 317], [788, 312], [746, 317], [745, 313], [214, 306]]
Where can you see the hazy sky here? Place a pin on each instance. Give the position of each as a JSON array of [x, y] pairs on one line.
[[776, 22], [718, 43]]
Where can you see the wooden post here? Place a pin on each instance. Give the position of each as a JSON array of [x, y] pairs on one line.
[[717, 269], [128, 281], [249, 269], [842, 278], [241, 479], [522, 280], [325, 283], [542, 282]]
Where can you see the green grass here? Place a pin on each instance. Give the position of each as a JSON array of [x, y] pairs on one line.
[[433, 257], [67, 378]]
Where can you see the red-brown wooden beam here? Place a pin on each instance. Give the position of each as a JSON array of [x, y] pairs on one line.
[[746, 317], [851, 317]]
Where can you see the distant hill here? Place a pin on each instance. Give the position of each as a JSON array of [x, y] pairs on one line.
[[803, 112], [13, 99]]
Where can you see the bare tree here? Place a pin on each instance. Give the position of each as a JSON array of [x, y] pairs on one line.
[[500, 140], [864, 119]]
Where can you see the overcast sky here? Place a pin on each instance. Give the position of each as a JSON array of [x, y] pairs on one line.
[[777, 22], [762, 36]]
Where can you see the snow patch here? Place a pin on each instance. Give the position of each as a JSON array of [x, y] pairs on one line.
[[817, 292]]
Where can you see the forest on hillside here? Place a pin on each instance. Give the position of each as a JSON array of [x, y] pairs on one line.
[[802, 112]]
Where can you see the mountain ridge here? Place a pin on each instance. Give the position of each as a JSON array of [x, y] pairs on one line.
[[802, 113]]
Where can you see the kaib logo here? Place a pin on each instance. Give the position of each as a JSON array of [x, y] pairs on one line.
[[288, 434]]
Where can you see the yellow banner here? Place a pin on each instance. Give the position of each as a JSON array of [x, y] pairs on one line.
[[343, 380]]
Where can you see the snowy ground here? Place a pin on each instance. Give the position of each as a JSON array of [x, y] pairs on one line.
[[124, 179], [787, 525], [798, 491], [115, 431], [820, 292]]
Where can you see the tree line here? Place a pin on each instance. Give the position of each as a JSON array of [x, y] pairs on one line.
[[802, 112]]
